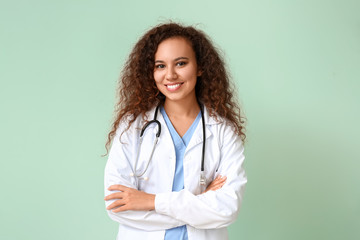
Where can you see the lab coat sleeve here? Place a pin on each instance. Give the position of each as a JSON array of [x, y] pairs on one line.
[[213, 209], [117, 171]]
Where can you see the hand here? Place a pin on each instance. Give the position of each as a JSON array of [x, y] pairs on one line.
[[216, 184], [130, 199]]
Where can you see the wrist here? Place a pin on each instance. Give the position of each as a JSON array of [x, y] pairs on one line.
[[151, 202]]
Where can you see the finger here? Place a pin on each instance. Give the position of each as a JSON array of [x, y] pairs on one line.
[[218, 182], [211, 187], [215, 188], [219, 185], [220, 177], [115, 204], [216, 185], [117, 187], [120, 209], [117, 195]]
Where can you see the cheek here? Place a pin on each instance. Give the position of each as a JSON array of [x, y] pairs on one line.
[[157, 76], [157, 79], [191, 75]]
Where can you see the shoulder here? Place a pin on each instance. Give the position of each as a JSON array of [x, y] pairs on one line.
[[216, 121], [222, 128]]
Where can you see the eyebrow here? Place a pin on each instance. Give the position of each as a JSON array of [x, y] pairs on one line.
[[176, 59]]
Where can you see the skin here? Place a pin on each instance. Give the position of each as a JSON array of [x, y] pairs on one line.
[[175, 65], [132, 199], [175, 75]]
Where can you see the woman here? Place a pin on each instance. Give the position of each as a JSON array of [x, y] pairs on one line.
[[180, 185]]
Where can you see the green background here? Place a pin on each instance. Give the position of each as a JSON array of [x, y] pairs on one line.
[[296, 65]]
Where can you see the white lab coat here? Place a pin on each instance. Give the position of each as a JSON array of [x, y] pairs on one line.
[[207, 215]]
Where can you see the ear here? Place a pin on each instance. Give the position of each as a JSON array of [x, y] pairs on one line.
[[199, 73]]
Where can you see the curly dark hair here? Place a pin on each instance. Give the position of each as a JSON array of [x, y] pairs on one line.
[[138, 92]]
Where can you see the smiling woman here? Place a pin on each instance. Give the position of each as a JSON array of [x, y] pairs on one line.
[[175, 75], [176, 70], [188, 183]]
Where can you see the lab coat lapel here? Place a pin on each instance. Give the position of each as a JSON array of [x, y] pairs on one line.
[[197, 138], [167, 149]]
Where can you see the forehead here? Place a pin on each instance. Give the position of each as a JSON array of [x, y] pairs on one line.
[[175, 47]]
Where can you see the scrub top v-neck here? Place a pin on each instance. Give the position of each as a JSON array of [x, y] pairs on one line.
[[180, 144]]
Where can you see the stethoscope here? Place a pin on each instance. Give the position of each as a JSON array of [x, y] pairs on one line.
[[202, 175]]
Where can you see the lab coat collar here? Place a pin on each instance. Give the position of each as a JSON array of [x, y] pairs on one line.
[[198, 135], [209, 120]]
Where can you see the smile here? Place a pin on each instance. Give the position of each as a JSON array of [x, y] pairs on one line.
[[173, 87]]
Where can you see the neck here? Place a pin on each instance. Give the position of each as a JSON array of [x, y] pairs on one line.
[[185, 108]]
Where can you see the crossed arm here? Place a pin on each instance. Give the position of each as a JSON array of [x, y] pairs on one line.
[[132, 199], [216, 207]]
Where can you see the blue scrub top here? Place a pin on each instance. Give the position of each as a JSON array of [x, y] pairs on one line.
[[180, 143]]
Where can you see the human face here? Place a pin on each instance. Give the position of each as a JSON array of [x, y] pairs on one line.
[[175, 71]]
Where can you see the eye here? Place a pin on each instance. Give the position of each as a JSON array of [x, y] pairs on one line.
[[182, 63], [160, 66]]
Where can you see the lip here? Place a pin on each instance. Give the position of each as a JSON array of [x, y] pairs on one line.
[[173, 86]]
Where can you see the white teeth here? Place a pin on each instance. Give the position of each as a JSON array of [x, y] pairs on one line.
[[172, 87]]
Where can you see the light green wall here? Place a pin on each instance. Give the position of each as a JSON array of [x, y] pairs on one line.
[[297, 69]]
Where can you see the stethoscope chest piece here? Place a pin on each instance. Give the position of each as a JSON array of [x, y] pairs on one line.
[[202, 179]]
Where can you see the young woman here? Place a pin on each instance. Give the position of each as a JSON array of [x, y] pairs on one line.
[[184, 177]]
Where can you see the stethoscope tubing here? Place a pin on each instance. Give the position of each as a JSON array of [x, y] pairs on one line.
[[202, 177]]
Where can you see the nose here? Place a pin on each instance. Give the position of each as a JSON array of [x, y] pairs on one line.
[[171, 73]]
